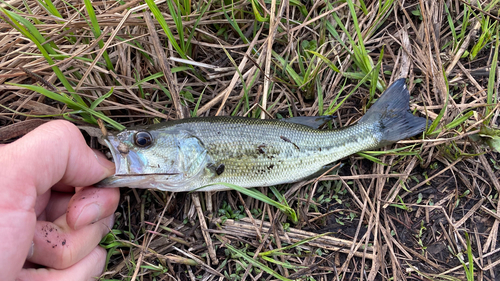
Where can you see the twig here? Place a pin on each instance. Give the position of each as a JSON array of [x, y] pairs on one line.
[[204, 228], [244, 227], [482, 11], [165, 66], [225, 94], [106, 45]]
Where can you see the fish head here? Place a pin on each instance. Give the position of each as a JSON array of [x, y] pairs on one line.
[[159, 159]]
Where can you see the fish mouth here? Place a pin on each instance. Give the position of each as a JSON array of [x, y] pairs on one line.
[[128, 170], [116, 180], [127, 161], [117, 157], [133, 181]]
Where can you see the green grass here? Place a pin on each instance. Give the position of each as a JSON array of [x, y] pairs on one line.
[[282, 205], [336, 64]]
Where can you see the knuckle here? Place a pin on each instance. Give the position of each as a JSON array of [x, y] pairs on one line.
[[63, 129]]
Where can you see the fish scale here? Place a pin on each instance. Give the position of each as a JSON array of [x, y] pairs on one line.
[[198, 153], [281, 162]]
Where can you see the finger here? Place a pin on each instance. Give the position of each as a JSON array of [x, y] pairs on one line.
[[41, 202], [59, 150], [58, 246], [62, 186], [57, 205], [87, 269], [91, 204], [17, 231]]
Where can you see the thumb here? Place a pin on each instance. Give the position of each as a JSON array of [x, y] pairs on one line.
[[55, 152]]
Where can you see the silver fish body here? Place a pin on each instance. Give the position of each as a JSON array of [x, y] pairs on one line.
[[198, 153]]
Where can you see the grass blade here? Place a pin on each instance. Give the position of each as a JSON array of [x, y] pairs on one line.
[[261, 197], [30, 31], [254, 262], [74, 105], [96, 30], [492, 95], [161, 20]]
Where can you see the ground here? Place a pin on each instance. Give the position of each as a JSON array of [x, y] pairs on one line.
[[425, 208]]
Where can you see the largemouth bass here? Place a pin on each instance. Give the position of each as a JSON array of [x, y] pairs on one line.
[[198, 153]]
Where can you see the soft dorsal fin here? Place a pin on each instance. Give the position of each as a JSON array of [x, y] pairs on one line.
[[314, 122]]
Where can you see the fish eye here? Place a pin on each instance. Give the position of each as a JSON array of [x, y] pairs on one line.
[[143, 139]]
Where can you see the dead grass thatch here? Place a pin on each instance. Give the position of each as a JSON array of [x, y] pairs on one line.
[[420, 213]]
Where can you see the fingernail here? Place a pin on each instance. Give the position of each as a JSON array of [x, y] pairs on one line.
[[108, 165], [31, 250], [90, 214], [112, 221]]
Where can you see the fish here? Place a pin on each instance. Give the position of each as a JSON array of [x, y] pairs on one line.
[[202, 154]]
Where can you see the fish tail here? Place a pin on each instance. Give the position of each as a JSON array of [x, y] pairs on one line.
[[391, 115]]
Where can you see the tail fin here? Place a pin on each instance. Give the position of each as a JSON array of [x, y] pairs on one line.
[[391, 113]]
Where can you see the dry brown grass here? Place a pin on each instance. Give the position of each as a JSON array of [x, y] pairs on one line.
[[404, 220]]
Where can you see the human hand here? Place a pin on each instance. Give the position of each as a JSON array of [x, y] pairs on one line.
[[47, 211]]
